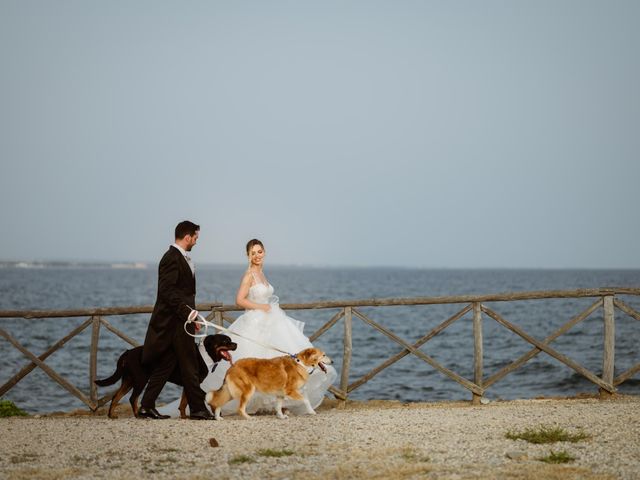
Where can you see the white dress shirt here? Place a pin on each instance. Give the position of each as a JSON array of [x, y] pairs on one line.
[[186, 256]]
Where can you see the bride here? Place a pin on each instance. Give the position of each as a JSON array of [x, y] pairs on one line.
[[267, 323]]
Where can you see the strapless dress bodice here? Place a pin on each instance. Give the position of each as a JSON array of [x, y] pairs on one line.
[[260, 293]]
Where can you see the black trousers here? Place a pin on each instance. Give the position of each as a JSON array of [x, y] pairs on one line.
[[184, 353]]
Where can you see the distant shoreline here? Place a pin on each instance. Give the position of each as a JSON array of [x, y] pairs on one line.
[[152, 264], [72, 265]]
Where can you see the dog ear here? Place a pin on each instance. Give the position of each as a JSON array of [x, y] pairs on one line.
[[306, 354]]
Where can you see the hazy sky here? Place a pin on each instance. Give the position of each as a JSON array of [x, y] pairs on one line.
[[408, 133]]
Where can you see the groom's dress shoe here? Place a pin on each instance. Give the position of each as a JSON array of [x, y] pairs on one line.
[[151, 413], [201, 415]]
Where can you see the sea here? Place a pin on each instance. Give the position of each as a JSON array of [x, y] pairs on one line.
[[42, 286]]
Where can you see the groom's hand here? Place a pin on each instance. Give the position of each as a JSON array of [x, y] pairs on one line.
[[195, 314], [192, 317]]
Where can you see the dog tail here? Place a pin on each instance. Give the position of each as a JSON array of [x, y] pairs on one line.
[[217, 398], [117, 375]]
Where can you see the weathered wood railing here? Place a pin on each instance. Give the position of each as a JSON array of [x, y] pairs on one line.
[[606, 298], [96, 319], [474, 303]]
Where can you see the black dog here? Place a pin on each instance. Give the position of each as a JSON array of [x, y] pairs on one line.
[[135, 376]]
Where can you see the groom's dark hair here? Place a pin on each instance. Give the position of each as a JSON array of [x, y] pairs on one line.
[[186, 228]]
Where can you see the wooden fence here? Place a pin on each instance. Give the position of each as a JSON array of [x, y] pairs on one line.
[[96, 320], [604, 298]]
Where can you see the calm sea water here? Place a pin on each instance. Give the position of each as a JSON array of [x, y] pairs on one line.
[[410, 379]]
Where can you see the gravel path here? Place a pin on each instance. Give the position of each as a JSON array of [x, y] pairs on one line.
[[362, 440]]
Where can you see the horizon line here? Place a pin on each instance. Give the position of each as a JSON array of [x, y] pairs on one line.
[[147, 264]]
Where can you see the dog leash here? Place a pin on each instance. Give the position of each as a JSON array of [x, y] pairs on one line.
[[195, 317]]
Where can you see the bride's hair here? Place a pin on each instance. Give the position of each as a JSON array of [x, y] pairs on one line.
[[252, 243]]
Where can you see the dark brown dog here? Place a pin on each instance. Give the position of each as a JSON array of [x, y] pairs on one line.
[[129, 368]]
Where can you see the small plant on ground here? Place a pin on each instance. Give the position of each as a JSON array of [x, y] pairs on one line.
[[267, 452], [238, 459], [546, 434], [8, 409], [24, 458], [168, 450], [557, 457], [410, 455]]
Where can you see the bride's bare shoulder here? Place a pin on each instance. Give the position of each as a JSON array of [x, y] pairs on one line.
[[247, 278]]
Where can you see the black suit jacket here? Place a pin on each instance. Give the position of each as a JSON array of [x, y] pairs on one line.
[[176, 292]]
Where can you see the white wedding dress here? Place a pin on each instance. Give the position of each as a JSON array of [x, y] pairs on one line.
[[273, 328]]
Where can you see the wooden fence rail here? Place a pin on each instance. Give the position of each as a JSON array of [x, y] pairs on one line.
[[350, 309], [96, 320]]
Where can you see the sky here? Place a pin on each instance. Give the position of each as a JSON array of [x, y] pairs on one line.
[[427, 134]]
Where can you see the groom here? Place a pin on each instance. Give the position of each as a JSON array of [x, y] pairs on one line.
[[166, 343]]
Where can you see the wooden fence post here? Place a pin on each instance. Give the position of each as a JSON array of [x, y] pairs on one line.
[[477, 349], [93, 362], [608, 355], [217, 318], [346, 358]]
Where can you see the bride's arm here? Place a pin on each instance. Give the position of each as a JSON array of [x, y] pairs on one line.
[[243, 293]]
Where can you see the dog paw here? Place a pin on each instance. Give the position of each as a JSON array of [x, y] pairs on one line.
[[282, 416]]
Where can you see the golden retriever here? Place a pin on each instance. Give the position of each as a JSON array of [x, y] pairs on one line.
[[280, 376]]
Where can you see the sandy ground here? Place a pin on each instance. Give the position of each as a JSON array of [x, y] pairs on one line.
[[356, 440]]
